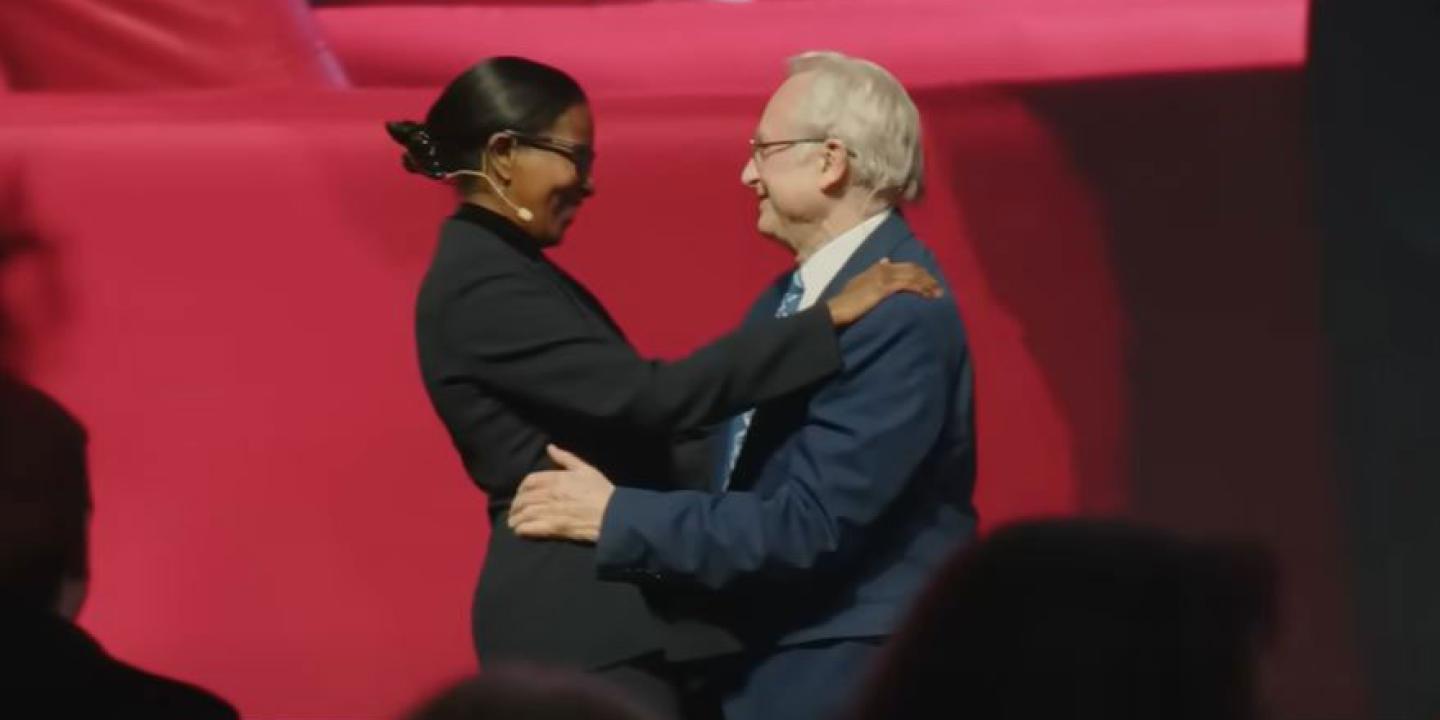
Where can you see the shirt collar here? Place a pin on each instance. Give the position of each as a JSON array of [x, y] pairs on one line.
[[820, 268]]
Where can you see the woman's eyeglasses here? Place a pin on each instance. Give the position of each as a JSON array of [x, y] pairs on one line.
[[581, 156]]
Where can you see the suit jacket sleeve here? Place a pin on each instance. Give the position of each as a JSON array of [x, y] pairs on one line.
[[867, 432], [529, 342]]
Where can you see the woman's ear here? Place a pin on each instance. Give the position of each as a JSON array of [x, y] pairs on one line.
[[499, 157]]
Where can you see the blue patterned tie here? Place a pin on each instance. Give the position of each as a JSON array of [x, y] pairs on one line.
[[740, 424]]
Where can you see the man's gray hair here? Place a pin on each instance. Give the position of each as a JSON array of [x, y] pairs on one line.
[[862, 105]]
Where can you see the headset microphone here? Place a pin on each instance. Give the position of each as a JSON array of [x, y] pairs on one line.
[[521, 212]]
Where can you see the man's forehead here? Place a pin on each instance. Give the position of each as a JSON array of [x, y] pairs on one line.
[[779, 113], [764, 129]]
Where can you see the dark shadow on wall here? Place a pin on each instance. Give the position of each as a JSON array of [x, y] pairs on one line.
[[1198, 201], [1033, 229]]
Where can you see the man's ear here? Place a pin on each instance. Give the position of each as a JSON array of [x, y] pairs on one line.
[[834, 165]]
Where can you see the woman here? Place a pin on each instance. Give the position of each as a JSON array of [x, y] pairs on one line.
[[515, 354]]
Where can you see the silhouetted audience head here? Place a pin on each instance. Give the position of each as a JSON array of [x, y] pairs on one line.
[[53, 668], [1083, 619], [44, 491], [44, 501], [529, 693]]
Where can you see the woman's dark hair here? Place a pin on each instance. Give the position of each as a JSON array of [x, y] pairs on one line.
[[501, 93]]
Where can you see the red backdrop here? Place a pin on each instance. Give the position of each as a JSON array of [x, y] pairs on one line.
[[279, 516], [278, 513]]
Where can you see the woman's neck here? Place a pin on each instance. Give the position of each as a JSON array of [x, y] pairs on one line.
[[493, 204]]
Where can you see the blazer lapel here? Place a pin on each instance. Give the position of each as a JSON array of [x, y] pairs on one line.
[[780, 417], [763, 309], [769, 300], [581, 296]]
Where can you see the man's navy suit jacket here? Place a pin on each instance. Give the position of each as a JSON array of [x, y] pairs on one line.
[[846, 496]]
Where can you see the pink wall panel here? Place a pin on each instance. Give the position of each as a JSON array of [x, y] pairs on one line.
[[711, 48], [159, 44]]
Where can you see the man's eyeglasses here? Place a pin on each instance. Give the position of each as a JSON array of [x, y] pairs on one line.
[[757, 148], [581, 156]]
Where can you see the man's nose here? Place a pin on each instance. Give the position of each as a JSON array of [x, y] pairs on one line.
[[750, 175]]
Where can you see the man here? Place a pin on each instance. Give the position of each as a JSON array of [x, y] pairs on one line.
[[52, 667], [837, 502]]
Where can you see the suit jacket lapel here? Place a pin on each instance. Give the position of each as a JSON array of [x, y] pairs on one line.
[[763, 308], [777, 416], [581, 296], [769, 300]]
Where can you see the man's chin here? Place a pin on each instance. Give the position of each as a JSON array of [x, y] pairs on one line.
[[766, 229]]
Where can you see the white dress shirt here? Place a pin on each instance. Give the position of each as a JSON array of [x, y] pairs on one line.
[[819, 269]]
